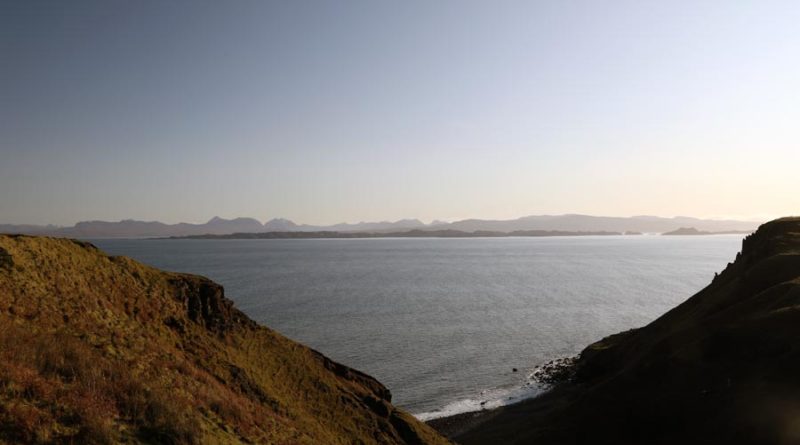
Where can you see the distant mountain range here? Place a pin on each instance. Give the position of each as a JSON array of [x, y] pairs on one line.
[[582, 223], [413, 233], [285, 225], [130, 228], [219, 226]]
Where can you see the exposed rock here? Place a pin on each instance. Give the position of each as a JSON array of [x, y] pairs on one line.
[[555, 371], [204, 302], [6, 261]]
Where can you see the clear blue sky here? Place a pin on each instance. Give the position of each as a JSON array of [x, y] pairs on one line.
[[343, 111]]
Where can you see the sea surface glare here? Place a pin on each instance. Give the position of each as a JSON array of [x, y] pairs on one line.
[[442, 322]]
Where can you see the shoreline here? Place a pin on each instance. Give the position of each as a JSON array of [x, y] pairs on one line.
[[487, 426], [547, 378], [458, 424]]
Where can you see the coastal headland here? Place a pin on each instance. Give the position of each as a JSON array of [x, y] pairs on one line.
[[719, 368], [98, 349]]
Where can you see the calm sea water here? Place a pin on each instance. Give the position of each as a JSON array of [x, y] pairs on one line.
[[442, 322]]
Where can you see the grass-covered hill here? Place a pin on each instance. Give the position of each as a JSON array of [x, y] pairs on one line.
[[100, 349], [721, 368]]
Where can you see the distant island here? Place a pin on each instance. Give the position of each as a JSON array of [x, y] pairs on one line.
[[403, 234], [570, 223], [693, 231]]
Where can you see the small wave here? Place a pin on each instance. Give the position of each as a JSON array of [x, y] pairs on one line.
[[489, 399]]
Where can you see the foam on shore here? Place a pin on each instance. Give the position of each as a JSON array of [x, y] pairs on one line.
[[488, 399]]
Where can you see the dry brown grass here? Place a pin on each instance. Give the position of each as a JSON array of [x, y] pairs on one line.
[[97, 349], [63, 390]]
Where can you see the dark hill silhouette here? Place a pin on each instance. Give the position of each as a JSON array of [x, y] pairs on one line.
[[722, 367]]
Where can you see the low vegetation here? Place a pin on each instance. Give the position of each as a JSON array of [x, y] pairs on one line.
[[99, 350]]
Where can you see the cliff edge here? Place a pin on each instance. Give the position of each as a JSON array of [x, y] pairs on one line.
[[101, 349], [723, 367]]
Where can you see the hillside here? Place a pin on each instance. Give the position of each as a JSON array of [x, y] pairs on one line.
[[99, 349], [722, 367]]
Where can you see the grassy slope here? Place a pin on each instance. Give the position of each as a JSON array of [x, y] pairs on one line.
[[723, 367], [99, 349]]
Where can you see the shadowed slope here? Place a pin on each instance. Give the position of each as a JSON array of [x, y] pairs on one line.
[[99, 349], [723, 367]]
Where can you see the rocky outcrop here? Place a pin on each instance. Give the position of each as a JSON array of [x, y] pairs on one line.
[[6, 262], [205, 303]]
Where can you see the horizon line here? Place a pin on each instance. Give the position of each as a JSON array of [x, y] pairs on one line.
[[754, 219]]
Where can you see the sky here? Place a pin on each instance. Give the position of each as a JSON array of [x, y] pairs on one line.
[[323, 112]]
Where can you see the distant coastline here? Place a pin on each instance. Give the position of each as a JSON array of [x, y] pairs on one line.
[[403, 234], [693, 231], [539, 225]]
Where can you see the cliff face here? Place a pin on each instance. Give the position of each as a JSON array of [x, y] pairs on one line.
[[99, 349], [723, 367]]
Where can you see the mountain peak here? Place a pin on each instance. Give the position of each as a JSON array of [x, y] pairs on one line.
[[280, 224]]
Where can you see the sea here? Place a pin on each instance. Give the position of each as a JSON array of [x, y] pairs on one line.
[[443, 322]]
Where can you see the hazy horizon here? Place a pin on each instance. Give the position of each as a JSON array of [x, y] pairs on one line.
[[262, 220], [370, 111], [358, 221]]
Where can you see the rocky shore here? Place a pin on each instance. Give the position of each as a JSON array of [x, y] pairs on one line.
[[555, 371], [546, 376]]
